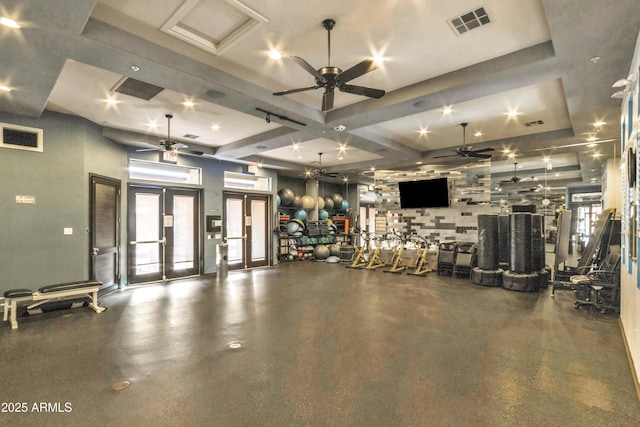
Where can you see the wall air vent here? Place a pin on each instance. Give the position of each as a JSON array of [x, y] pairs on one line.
[[137, 88], [20, 137], [469, 20], [534, 123]]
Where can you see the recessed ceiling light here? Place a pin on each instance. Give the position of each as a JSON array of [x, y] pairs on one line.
[[424, 131], [152, 125], [340, 158], [596, 155], [189, 104], [9, 22], [135, 68], [447, 110], [599, 124], [274, 54], [295, 146], [111, 101], [512, 114], [477, 134], [342, 149], [215, 127], [299, 157], [379, 60], [594, 59], [5, 89]]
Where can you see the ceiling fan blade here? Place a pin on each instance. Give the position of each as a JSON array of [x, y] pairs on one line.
[[479, 155], [482, 150], [192, 152], [146, 149], [327, 100], [442, 157], [357, 70], [178, 145], [302, 89], [361, 90], [304, 64]]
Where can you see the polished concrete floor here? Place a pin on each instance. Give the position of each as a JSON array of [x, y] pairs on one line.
[[320, 345]]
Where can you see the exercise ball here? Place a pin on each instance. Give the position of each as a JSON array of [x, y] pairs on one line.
[[300, 214], [320, 202], [297, 202], [308, 202], [337, 200], [333, 259], [278, 201], [293, 228], [321, 253], [334, 249], [286, 196], [323, 214], [299, 222], [328, 202], [345, 205]]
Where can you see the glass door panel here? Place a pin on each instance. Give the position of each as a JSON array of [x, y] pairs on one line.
[[181, 224], [146, 240], [258, 230], [234, 232]]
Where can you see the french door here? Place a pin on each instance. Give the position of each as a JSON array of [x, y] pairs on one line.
[[246, 230], [163, 230]]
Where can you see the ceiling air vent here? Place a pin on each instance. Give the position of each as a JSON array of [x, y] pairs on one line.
[[534, 123], [190, 136], [469, 20], [136, 88]]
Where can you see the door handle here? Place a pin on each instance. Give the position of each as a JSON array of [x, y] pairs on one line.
[[94, 251], [136, 242]]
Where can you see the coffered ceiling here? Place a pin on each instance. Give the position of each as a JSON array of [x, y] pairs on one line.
[[550, 64]]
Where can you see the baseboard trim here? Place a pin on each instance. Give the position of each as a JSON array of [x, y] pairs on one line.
[[631, 365]]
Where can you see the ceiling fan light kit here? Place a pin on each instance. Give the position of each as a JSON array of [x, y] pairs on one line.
[[330, 77]]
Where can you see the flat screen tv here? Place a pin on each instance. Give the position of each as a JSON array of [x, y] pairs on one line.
[[429, 193]]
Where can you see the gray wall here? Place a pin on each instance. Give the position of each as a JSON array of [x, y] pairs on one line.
[[33, 249]]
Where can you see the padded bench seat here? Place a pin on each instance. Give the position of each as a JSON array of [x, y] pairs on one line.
[[50, 293]]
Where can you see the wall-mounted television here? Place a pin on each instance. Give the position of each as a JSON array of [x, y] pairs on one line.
[[428, 193]]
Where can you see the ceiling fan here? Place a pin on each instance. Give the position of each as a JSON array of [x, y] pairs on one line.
[[319, 172], [331, 78], [467, 151], [515, 178], [171, 146]]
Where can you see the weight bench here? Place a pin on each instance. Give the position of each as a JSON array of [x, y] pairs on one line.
[[50, 293]]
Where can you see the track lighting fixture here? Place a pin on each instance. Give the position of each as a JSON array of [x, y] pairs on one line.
[[269, 114]]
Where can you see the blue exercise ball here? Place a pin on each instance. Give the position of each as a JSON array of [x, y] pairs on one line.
[[278, 200], [300, 214], [323, 214], [345, 205]]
